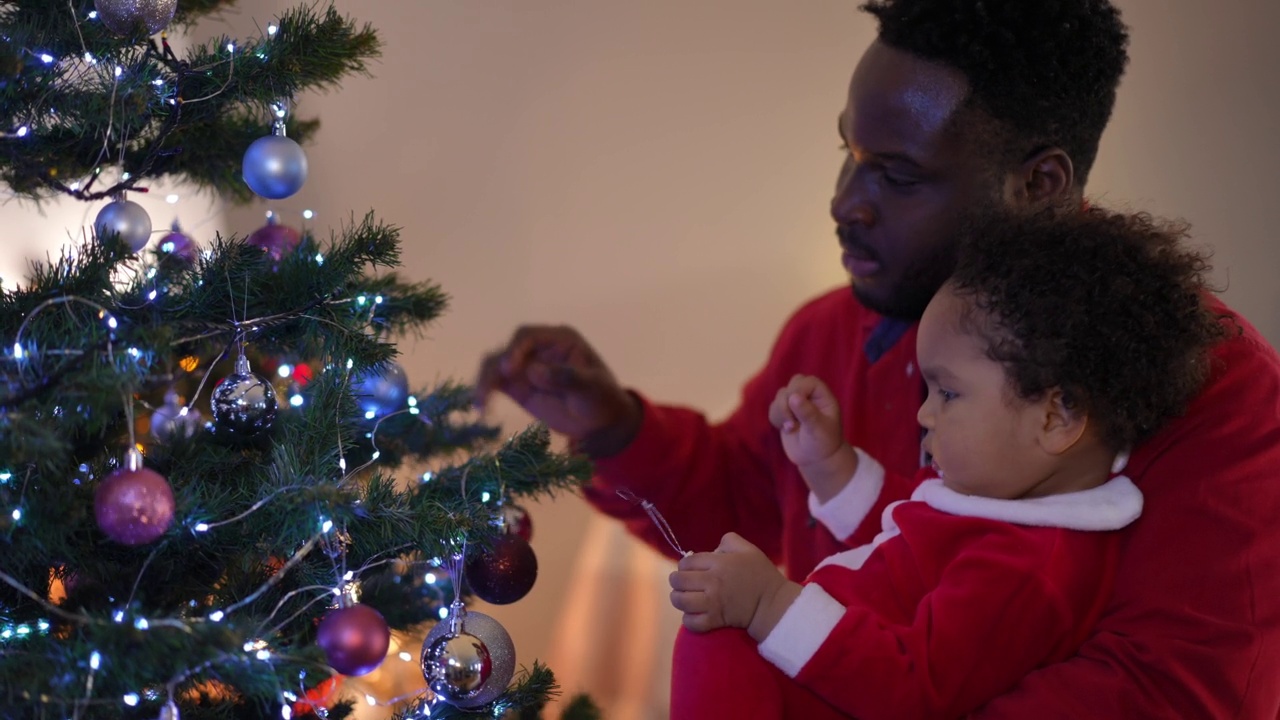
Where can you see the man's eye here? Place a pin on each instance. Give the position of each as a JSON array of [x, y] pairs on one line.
[[899, 181]]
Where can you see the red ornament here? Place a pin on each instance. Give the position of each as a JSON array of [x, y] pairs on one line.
[[515, 520], [134, 507], [505, 573], [354, 639], [320, 696], [275, 239], [302, 374]]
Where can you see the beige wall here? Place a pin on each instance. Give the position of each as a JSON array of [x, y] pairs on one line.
[[657, 174]]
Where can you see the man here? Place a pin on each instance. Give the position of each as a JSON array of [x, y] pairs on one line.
[[959, 108]]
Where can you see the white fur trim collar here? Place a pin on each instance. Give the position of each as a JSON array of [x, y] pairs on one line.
[[1110, 506]]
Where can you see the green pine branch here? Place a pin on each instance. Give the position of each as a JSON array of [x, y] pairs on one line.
[[159, 115], [220, 612]]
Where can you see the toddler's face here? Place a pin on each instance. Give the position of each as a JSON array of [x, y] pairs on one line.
[[981, 436]]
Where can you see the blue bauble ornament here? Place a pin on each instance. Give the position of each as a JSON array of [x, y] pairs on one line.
[[127, 219], [381, 393], [275, 167]]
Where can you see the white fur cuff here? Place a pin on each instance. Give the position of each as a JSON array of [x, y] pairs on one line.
[[802, 630], [844, 513]]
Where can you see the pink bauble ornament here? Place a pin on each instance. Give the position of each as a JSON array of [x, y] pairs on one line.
[[505, 573], [275, 239], [178, 245], [354, 639], [134, 506]]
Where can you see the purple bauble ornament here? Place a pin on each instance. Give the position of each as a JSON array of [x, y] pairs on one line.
[[505, 573], [126, 17], [178, 245], [134, 506], [275, 239], [354, 639]]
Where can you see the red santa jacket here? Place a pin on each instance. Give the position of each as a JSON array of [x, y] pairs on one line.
[[1193, 629], [956, 600]]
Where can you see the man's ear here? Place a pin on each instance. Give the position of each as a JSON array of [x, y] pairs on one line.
[[1046, 177], [1061, 423]]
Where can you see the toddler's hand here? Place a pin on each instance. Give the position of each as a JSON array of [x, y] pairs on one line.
[[808, 417], [724, 588]]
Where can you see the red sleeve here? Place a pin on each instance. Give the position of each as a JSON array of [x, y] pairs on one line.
[[711, 478], [998, 611], [1193, 630], [706, 479]]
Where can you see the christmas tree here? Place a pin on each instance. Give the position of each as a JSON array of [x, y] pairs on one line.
[[200, 514]]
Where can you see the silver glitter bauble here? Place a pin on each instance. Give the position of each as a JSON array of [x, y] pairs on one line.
[[168, 420], [243, 404], [275, 167], [468, 659], [127, 219], [125, 17], [381, 393]]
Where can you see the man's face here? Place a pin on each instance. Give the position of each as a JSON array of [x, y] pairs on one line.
[[911, 177]]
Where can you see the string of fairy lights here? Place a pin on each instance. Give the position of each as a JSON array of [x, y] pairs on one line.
[[274, 168]]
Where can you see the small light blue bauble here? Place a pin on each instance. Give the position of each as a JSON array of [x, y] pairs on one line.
[[275, 167], [127, 219], [381, 393]]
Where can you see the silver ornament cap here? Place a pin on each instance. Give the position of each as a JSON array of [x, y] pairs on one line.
[[125, 17]]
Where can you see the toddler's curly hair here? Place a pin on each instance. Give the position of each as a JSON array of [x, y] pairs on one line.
[[1109, 307]]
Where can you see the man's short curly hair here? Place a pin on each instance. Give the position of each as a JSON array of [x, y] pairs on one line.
[[1045, 70], [1109, 307]]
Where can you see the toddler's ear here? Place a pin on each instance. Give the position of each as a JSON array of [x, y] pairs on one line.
[[1062, 422]]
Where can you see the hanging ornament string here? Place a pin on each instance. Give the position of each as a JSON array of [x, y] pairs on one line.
[[456, 563], [657, 519]]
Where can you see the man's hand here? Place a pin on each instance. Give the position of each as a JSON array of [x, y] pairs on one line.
[[735, 586], [555, 375]]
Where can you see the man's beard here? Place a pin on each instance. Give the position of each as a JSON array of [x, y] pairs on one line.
[[916, 285], [915, 288]]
